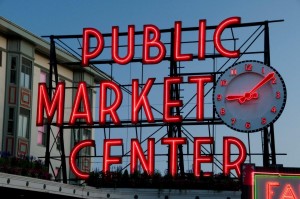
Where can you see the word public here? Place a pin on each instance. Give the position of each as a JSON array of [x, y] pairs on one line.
[[81, 109], [151, 40]]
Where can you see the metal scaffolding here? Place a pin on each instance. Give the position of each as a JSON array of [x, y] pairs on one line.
[[175, 69]]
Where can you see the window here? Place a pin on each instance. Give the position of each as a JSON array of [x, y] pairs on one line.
[[0, 58], [76, 134], [57, 174], [62, 80], [87, 134], [24, 123], [44, 77], [86, 161], [90, 93], [13, 72], [25, 80], [58, 146], [10, 123], [42, 135]]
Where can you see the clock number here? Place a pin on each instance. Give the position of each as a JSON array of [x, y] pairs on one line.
[[223, 82], [222, 111], [248, 67], [263, 121], [273, 109], [219, 97], [233, 121], [277, 95], [247, 125], [274, 80], [233, 72], [263, 70]]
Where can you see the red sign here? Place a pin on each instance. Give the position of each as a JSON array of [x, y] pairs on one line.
[[276, 185], [139, 100], [151, 39]]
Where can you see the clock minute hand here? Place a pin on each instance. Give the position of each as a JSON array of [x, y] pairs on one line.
[[252, 94], [263, 81]]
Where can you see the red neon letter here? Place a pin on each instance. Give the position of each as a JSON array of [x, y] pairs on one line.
[[177, 45], [227, 165], [173, 142], [202, 39], [107, 159], [217, 37], [115, 45], [142, 100], [269, 191], [198, 158], [154, 42], [200, 80], [57, 103], [86, 54], [81, 96], [73, 154], [168, 102], [137, 153], [112, 110], [288, 192]]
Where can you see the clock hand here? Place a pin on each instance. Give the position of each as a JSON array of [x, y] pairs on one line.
[[240, 98], [234, 97], [252, 94], [263, 81]]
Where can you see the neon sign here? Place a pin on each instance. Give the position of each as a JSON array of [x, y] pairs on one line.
[[81, 109], [148, 164], [151, 39], [276, 185], [139, 101]]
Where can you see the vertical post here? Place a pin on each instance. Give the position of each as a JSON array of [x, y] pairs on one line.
[[266, 153], [268, 134], [170, 126], [52, 65], [173, 128], [273, 152], [63, 156], [53, 68]]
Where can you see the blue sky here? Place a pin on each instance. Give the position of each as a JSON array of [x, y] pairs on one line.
[[70, 17]]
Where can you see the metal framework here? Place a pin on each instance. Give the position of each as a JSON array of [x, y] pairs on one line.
[[175, 69]]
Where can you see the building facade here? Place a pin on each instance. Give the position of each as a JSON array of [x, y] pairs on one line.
[[24, 63]]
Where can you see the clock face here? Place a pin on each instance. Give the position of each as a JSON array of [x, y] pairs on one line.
[[249, 96]]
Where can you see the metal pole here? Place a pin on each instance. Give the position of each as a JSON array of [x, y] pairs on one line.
[[52, 63], [273, 152], [266, 153], [267, 134], [53, 68], [63, 156], [175, 128]]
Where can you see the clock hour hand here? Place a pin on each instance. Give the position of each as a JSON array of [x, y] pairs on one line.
[[252, 94], [240, 98], [234, 97]]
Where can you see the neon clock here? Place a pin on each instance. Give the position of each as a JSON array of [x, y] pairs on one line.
[[249, 96]]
